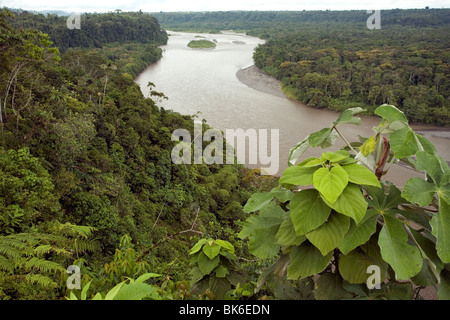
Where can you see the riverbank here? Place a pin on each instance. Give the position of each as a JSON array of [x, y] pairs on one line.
[[257, 79]]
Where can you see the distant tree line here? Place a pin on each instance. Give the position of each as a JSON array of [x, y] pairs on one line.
[[331, 59], [96, 29], [249, 20]]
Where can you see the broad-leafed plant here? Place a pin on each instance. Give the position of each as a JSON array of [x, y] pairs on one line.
[[335, 220], [215, 269]]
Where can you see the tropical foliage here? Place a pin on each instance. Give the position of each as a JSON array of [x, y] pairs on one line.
[[87, 181], [334, 216], [81, 146]]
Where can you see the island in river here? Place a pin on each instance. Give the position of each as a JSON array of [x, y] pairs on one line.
[[201, 44]]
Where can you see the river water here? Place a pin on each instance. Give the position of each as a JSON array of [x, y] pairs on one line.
[[206, 81]]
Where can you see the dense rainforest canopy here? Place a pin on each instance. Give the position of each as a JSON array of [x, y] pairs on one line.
[[87, 181], [81, 146], [331, 59]]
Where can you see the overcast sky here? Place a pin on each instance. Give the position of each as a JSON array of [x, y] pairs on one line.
[[211, 5]]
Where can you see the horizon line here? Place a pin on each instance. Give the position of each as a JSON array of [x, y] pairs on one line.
[[212, 11]]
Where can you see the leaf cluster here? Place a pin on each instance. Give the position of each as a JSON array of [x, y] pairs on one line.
[[333, 216]]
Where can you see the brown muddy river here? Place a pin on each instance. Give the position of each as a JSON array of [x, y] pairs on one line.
[[213, 82]]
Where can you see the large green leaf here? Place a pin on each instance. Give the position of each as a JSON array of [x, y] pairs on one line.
[[427, 246], [263, 242], [359, 234], [330, 183], [432, 165], [404, 258], [219, 286], [444, 287], [329, 287], [319, 137], [391, 113], [350, 203], [306, 260], [85, 290], [384, 199], [211, 249], [311, 162], [260, 199], [308, 211], [426, 277], [269, 216], [302, 176], [196, 248], [286, 235], [354, 265], [399, 291], [328, 236], [403, 143], [205, 264], [361, 175], [137, 291], [419, 191], [147, 276], [328, 141], [257, 201], [426, 144], [225, 245], [347, 117], [297, 151], [221, 271], [262, 229], [368, 147], [335, 156], [114, 291], [441, 230]]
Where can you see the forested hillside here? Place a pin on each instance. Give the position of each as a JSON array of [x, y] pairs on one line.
[[88, 188], [96, 29], [129, 39], [85, 159], [331, 59], [286, 20]]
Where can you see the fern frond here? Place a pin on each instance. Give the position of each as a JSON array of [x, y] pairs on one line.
[[28, 239], [86, 245], [41, 265], [46, 248], [72, 230], [9, 252], [11, 246], [6, 264], [40, 279]]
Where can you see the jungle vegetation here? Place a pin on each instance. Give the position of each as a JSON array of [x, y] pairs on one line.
[[330, 59], [87, 181]]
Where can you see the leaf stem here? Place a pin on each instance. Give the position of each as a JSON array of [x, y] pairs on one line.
[[345, 140]]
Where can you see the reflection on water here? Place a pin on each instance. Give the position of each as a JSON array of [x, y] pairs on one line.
[[199, 80]]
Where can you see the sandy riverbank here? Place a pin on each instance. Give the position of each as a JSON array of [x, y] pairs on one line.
[[256, 79]]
